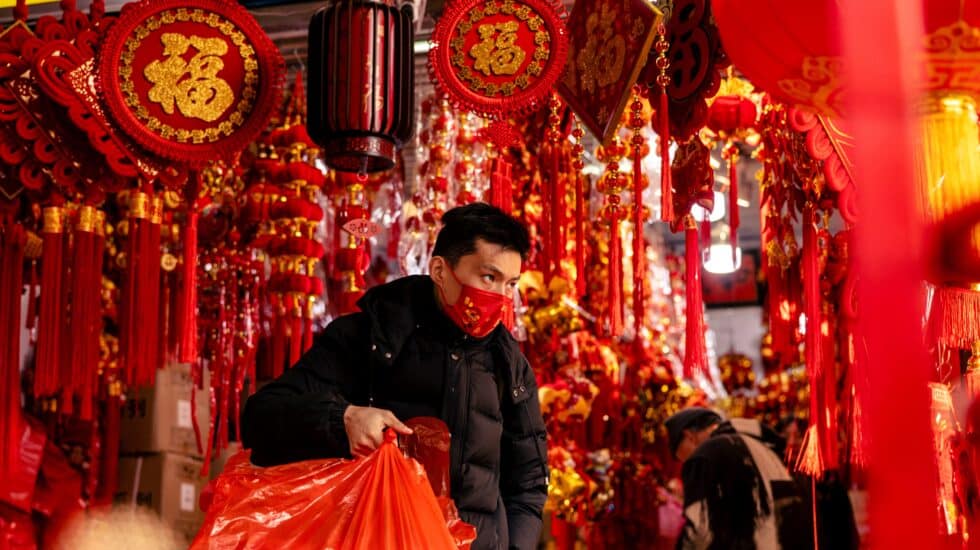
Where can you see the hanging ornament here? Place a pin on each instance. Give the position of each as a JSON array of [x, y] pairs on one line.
[[612, 184], [362, 83], [610, 44], [639, 149], [663, 127], [498, 58], [581, 209], [189, 81]]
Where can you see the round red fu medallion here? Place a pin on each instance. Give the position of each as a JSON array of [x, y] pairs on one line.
[[498, 57], [190, 81]]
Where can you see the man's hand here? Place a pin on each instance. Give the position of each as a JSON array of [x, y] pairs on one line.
[[365, 428]]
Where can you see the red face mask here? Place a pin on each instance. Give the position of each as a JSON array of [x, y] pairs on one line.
[[477, 312]]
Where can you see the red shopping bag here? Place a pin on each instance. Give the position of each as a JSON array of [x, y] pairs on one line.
[[381, 501]]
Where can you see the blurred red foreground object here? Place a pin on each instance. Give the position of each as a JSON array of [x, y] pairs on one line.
[[384, 500]]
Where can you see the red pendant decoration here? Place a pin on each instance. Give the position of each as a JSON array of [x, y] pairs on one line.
[[610, 42], [498, 57], [361, 82], [190, 81]]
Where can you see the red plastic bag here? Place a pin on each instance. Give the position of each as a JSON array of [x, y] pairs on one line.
[[380, 501]]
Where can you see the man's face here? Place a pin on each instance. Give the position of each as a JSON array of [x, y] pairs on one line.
[[490, 267], [690, 442]]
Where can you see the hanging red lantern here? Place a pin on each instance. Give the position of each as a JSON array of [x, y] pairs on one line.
[[361, 83], [786, 48]]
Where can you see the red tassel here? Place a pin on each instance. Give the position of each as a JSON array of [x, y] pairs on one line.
[[733, 216], [32, 297], [501, 186], [695, 348], [638, 240], [666, 183], [151, 292], [557, 211], [86, 313], [295, 329], [12, 241], [809, 462], [51, 317], [187, 299], [615, 279], [812, 297], [581, 205]]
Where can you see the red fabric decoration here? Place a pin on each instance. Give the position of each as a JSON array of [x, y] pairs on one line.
[[615, 279], [581, 206], [144, 80]]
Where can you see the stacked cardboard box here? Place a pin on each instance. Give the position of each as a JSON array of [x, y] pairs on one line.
[[161, 464]]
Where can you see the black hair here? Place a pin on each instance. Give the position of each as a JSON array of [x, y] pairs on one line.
[[463, 225]]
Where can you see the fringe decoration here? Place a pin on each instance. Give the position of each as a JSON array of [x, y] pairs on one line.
[[955, 317], [110, 446], [557, 217], [695, 348], [639, 240], [13, 239], [812, 296], [666, 183], [51, 316]]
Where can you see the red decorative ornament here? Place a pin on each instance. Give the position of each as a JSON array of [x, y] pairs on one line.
[[499, 57], [796, 60], [361, 83], [190, 81], [610, 44]]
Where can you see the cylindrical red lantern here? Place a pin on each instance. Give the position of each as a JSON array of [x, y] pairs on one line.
[[361, 83]]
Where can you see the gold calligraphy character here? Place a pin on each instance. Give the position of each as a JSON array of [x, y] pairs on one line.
[[498, 53], [601, 61], [194, 85]]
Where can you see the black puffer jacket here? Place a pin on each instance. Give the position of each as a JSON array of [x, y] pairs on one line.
[[402, 353]]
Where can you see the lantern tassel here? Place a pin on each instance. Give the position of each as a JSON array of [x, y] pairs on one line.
[[557, 211], [666, 183], [51, 317], [615, 279], [809, 462], [501, 187], [812, 297], [581, 199], [733, 216], [638, 238], [12, 241], [187, 299], [85, 313], [695, 348]]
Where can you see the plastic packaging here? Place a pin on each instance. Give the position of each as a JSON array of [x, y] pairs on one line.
[[380, 501]]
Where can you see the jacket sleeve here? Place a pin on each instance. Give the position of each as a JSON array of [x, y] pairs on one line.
[[524, 468], [300, 415]]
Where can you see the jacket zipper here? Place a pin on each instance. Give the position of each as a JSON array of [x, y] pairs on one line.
[[462, 410]]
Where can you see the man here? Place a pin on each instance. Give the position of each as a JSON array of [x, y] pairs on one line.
[[431, 345], [737, 492]]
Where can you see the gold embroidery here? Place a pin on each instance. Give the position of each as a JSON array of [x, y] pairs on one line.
[[194, 86], [497, 52], [601, 61]]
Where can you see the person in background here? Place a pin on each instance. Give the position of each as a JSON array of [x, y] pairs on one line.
[[435, 345], [737, 492]]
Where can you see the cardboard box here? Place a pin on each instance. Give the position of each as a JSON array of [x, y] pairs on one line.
[[168, 483], [158, 419]]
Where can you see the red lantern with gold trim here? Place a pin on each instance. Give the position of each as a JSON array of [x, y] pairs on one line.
[[361, 83]]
